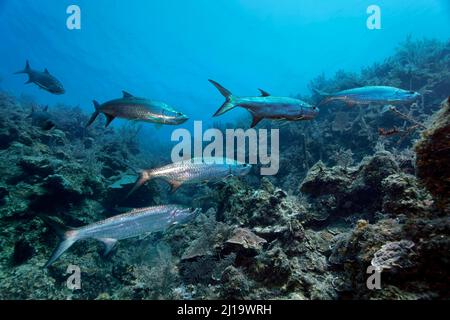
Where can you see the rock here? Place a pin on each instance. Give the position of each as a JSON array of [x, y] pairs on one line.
[[337, 192], [3, 193], [246, 239], [271, 232], [372, 170], [433, 152], [322, 180], [210, 238], [403, 195], [234, 284], [359, 245], [58, 184], [54, 138], [89, 142], [103, 296], [36, 165], [196, 250], [23, 251], [244, 207], [394, 255], [272, 267]]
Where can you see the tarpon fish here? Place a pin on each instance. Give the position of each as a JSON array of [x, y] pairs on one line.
[[131, 224], [371, 95], [267, 106], [43, 79], [42, 118], [193, 171], [137, 109]]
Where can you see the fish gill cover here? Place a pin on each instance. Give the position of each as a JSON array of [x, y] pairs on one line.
[[361, 102]]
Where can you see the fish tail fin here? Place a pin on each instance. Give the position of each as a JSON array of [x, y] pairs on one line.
[[33, 110], [95, 114], [26, 70], [324, 95], [229, 104], [66, 235], [321, 93], [144, 176]]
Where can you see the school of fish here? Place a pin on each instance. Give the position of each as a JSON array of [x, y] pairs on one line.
[[197, 170]]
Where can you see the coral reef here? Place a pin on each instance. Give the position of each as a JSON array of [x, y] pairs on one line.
[[348, 196], [432, 156]]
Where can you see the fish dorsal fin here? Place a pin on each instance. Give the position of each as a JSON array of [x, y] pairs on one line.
[[127, 95], [46, 71], [264, 93]]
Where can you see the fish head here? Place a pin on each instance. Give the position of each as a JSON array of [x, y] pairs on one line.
[[240, 169], [405, 95], [41, 118], [181, 215], [308, 112], [172, 116], [56, 88], [412, 95], [180, 118]]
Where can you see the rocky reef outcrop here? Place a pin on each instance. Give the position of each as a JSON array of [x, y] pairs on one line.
[[433, 150], [352, 191]]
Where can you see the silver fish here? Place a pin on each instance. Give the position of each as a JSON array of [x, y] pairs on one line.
[[193, 171], [371, 95], [123, 226], [43, 79], [42, 118], [137, 109], [267, 106]]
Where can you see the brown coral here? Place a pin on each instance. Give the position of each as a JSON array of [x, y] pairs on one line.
[[247, 239]]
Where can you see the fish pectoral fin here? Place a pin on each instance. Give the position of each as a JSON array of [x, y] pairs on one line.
[[256, 120], [109, 245], [127, 95], [350, 104], [144, 176], [264, 93], [158, 126], [109, 119], [174, 185]]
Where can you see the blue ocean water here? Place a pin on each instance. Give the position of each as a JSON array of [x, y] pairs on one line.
[[166, 50]]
